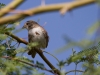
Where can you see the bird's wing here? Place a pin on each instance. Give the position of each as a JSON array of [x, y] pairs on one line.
[[30, 38], [46, 36], [31, 52]]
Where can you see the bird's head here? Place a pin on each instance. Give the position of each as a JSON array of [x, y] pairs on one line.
[[30, 24]]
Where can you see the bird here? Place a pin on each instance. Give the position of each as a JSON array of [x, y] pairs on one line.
[[36, 34]]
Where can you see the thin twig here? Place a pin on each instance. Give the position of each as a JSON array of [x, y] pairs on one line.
[[74, 71], [75, 68], [18, 44], [52, 55], [7, 43], [5, 26]]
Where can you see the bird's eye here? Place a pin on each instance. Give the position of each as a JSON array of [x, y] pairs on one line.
[[27, 23]]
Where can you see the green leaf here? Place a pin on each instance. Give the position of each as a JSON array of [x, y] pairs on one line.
[[3, 36], [17, 23], [61, 63], [93, 28], [40, 65], [98, 2], [82, 56]]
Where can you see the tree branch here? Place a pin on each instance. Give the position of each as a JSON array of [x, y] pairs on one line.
[[42, 9], [20, 40], [33, 65], [74, 71], [10, 7]]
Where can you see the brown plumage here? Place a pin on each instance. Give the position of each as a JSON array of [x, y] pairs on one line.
[[36, 34]]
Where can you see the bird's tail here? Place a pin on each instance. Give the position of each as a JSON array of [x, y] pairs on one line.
[[32, 52]]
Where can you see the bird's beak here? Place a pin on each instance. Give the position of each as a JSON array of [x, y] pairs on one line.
[[24, 27]]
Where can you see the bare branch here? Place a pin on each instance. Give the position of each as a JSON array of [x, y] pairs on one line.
[[11, 6], [43, 9]]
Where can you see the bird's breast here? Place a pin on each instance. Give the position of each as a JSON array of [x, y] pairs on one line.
[[38, 36], [36, 32]]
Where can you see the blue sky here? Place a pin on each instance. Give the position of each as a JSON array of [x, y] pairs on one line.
[[74, 24]]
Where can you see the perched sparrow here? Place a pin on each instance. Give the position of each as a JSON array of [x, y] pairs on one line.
[[37, 34]]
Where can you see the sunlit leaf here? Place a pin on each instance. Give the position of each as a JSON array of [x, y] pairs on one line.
[[17, 23]]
